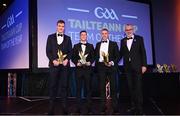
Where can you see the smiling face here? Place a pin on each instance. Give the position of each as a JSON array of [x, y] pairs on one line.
[[129, 30]]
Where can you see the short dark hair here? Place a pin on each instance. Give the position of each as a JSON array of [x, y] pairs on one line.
[[60, 21], [83, 31], [128, 24], [104, 29]]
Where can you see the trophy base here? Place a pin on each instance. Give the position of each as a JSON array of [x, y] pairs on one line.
[[106, 64], [60, 62]]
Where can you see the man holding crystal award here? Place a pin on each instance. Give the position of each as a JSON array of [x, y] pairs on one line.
[[107, 57], [58, 51], [83, 58]]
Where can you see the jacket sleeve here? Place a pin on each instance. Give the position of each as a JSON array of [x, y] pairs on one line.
[[121, 50], [74, 55], [49, 49], [97, 52], [69, 49], [92, 54], [116, 53], [143, 53]]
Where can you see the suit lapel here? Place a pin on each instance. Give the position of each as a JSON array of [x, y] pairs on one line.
[[109, 47], [133, 43], [125, 44], [55, 41], [87, 49], [98, 48], [132, 46], [79, 47]]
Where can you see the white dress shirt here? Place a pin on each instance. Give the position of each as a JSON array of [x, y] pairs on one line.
[[83, 47], [103, 48], [59, 39], [129, 43]]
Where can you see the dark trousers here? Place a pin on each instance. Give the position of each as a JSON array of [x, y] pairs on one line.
[[58, 85], [134, 79], [105, 73], [83, 74]]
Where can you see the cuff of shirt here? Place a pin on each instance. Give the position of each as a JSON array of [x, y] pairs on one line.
[[112, 63]]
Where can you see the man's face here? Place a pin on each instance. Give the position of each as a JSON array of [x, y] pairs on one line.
[[129, 30], [83, 36], [60, 27], [105, 35]]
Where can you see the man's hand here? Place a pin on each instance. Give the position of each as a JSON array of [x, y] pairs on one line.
[[88, 63], [55, 63], [110, 64], [79, 64], [65, 62], [143, 69]]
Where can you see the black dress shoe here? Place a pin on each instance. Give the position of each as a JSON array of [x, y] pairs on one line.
[[138, 112], [65, 110], [78, 110], [116, 110], [90, 112], [89, 108], [132, 109], [50, 113], [103, 110]]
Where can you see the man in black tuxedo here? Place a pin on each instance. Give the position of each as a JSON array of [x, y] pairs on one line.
[[134, 56], [58, 81], [106, 63], [83, 58]]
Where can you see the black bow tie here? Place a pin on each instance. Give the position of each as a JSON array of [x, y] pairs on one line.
[[83, 44], [103, 41], [60, 34], [129, 38]]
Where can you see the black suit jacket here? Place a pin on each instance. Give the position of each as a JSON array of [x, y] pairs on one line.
[[52, 48], [89, 50], [137, 54], [112, 51]]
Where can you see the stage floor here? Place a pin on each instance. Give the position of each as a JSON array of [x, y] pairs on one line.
[[39, 106]]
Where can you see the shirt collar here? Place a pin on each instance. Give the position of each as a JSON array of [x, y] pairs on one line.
[[83, 42], [132, 36]]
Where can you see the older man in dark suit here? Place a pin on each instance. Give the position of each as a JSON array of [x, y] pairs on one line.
[[134, 56]]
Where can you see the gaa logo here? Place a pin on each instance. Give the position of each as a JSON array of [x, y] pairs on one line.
[[105, 13], [10, 20]]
